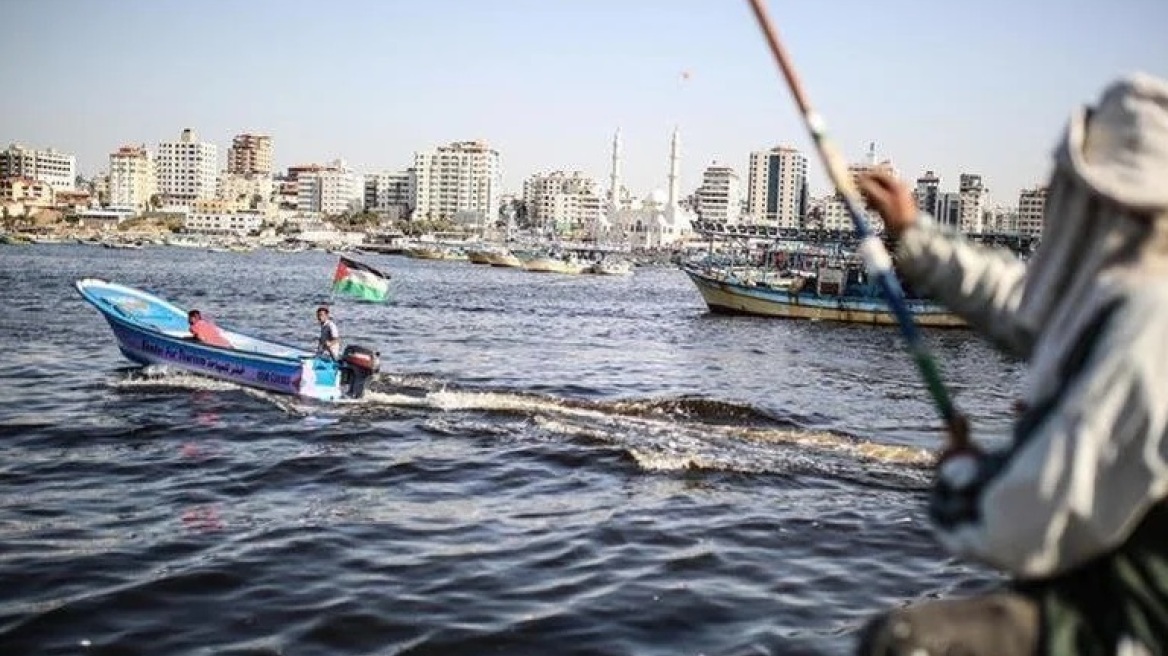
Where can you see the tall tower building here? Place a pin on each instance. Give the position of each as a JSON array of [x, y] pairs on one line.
[[973, 195], [719, 198], [1031, 207], [187, 169], [132, 179], [777, 186], [460, 180], [250, 154], [927, 192]]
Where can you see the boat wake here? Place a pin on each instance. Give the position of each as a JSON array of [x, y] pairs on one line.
[[684, 433], [161, 378]]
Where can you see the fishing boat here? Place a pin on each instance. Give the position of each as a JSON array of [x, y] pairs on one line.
[[551, 263], [612, 267], [480, 255], [150, 330], [833, 290], [505, 259]]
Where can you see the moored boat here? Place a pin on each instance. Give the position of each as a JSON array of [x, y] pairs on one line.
[[553, 264], [150, 330], [505, 259], [612, 267], [424, 252], [15, 239]]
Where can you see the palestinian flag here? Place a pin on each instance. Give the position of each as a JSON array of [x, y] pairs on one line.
[[360, 281]]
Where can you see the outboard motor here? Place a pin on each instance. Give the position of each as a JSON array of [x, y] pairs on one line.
[[358, 364]]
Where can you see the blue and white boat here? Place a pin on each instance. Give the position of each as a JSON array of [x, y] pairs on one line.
[[150, 330]]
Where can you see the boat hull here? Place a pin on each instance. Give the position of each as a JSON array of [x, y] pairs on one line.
[[478, 257], [150, 331], [727, 297], [506, 260], [552, 265], [607, 268]]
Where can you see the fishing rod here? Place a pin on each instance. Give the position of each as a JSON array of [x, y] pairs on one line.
[[871, 249]]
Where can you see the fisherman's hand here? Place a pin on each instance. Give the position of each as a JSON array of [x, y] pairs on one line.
[[891, 199], [961, 477]]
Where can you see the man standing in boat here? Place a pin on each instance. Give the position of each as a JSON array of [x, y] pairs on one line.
[[329, 344], [1074, 508]]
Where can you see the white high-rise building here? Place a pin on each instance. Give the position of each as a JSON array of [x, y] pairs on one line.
[[58, 170], [332, 190], [188, 169], [563, 203], [777, 187], [720, 196], [132, 179], [973, 204], [390, 193], [460, 181], [1031, 206]]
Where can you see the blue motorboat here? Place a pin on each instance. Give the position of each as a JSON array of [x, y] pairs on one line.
[[150, 330]]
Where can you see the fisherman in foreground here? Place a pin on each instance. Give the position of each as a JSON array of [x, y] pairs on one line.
[[1073, 509]]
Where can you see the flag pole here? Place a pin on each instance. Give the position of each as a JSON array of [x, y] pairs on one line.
[[871, 249], [333, 285]]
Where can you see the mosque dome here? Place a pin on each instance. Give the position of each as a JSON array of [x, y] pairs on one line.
[[658, 197]]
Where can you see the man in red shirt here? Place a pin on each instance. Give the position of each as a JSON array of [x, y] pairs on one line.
[[205, 332]]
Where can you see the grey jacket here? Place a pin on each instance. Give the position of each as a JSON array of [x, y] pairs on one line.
[[1090, 458]]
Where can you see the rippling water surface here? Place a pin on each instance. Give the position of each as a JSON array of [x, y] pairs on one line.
[[547, 465]]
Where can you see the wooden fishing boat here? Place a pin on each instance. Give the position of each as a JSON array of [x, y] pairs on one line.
[[841, 294]]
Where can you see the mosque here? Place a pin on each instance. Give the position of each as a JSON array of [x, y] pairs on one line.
[[657, 221]]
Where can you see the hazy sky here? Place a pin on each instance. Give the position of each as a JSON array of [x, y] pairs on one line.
[[981, 87]]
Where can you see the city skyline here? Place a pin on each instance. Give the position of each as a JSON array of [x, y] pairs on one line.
[[546, 86]]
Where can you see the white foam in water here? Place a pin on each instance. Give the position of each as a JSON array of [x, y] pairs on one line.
[[658, 443], [398, 400], [155, 376]]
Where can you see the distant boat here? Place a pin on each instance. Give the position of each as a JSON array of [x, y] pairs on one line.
[[434, 252], [479, 255], [612, 267], [506, 259], [150, 330], [553, 264]]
